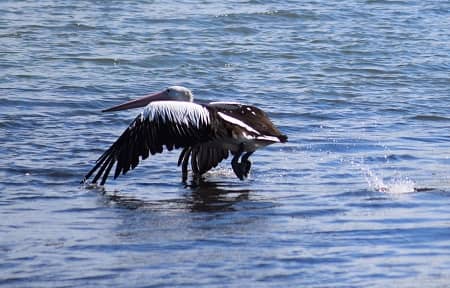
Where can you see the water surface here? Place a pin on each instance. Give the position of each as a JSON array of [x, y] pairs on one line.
[[358, 197]]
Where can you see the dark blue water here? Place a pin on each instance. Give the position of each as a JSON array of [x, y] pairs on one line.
[[359, 197]]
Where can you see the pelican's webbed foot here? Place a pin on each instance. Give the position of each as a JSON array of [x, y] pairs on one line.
[[241, 169], [246, 163]]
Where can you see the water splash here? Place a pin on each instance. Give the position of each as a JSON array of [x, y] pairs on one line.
[[396, 185]]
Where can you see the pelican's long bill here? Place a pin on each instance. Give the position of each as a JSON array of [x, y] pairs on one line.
[[141, 102]]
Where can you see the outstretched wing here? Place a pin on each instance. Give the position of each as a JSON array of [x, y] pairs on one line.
[[172, 124]]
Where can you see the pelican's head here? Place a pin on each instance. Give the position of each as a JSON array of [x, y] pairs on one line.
[[179, 93], [172, 93]]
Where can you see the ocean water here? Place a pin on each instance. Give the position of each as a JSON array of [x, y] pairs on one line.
[[358, 197]]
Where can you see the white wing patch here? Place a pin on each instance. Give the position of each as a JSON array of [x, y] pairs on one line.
[[177, 112], [237, 122], [268, 138], [262, 137]]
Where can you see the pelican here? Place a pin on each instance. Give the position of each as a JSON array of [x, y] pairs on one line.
[[207, 133]]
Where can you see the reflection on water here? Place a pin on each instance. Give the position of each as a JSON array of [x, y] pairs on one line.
[[210, 196], [204, 197]]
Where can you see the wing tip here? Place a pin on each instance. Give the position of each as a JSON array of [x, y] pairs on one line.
[[283, 138]]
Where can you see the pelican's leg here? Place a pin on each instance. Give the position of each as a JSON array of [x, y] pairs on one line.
[[184, 167], [246, 164], [237, 167], [196, 176], [194, 163]]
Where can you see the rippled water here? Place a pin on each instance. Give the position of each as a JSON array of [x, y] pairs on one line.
[[359, 197]]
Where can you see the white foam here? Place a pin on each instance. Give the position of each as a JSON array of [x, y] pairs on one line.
[[221, 171]]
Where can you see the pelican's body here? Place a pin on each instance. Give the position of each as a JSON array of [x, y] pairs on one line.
[[206, 133]]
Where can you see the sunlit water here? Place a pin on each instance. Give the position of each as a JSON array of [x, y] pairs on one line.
[[358, 197]]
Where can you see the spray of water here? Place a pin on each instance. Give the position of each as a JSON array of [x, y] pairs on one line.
[[396, 185]]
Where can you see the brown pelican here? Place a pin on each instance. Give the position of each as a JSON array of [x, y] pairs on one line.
[[206, 133]]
